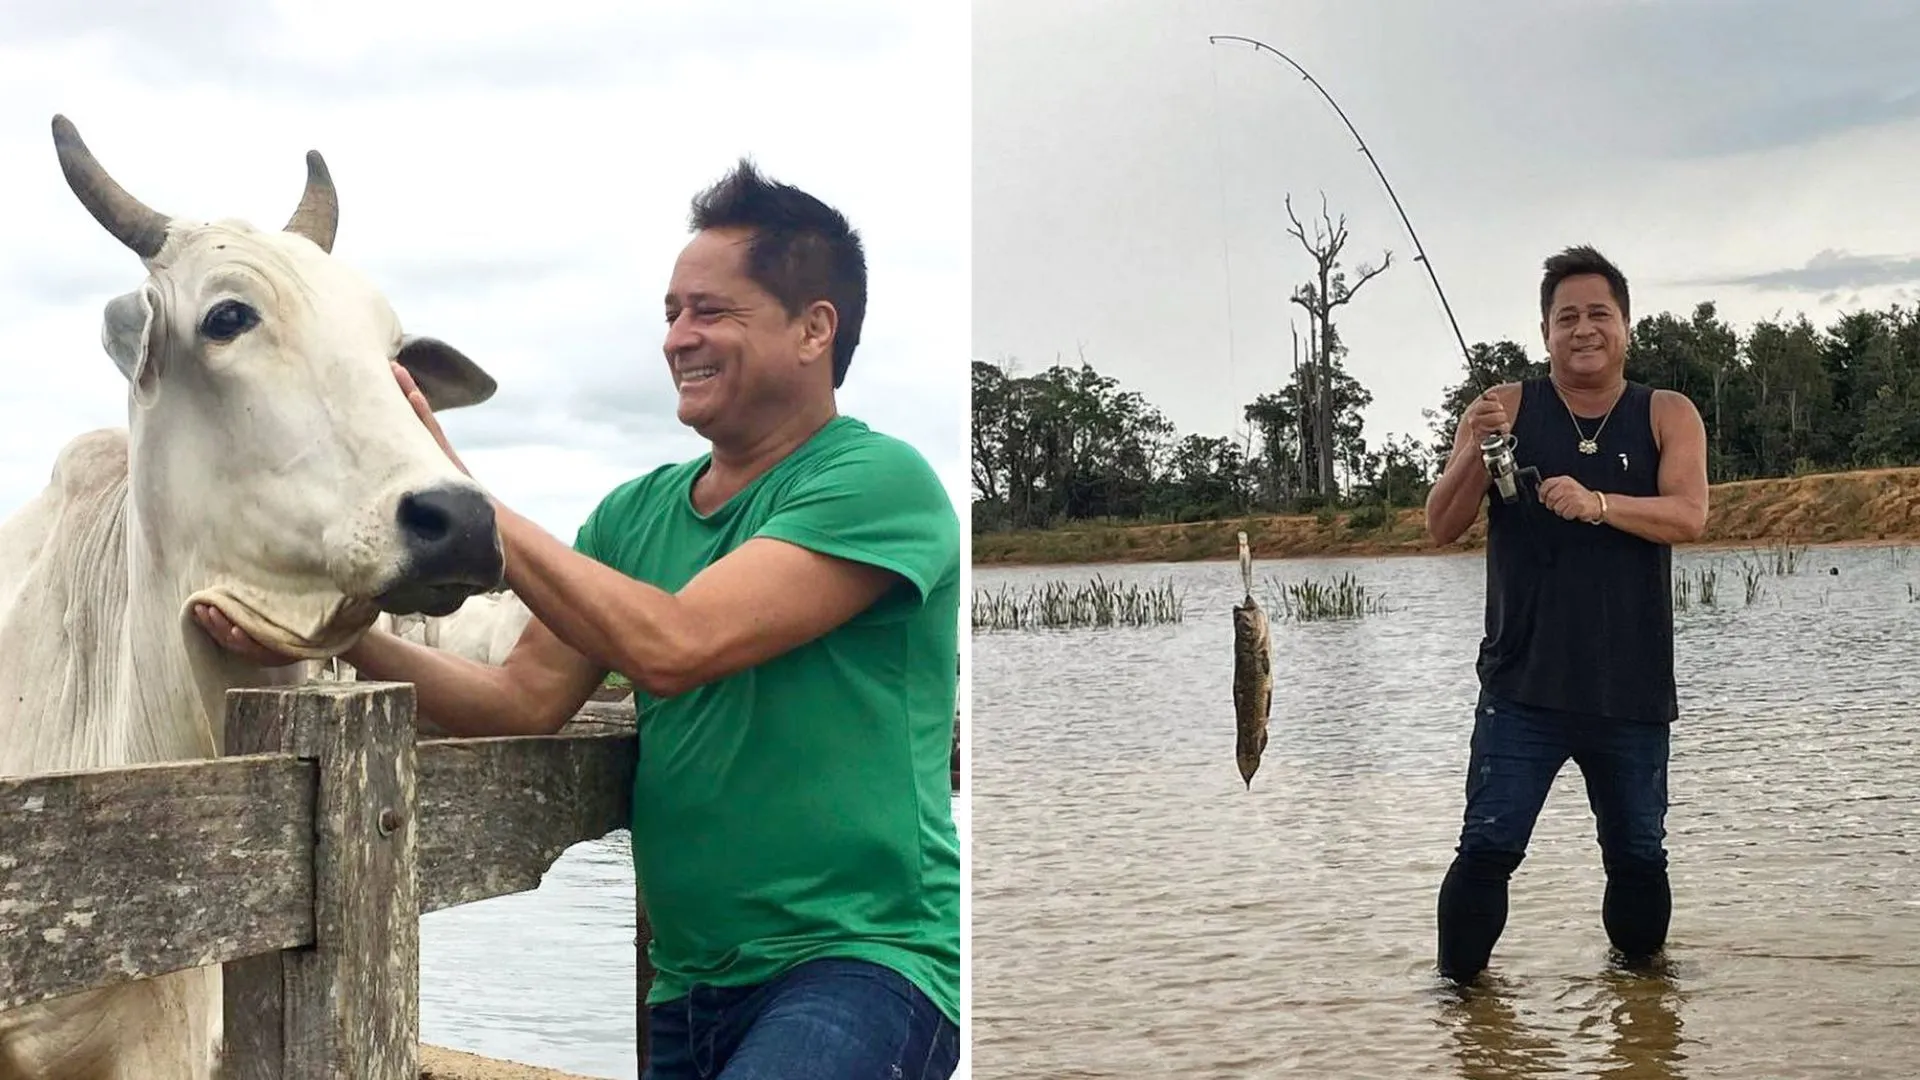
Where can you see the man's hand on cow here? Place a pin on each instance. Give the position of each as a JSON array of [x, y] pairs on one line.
[[235, 640], [1569, 498], [425, 412]]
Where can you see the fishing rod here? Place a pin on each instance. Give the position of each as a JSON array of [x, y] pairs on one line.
[[1420, 254]]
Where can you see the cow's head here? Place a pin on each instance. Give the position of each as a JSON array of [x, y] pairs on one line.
[[271, 446]]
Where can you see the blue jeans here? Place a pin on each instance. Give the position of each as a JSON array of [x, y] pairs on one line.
[[1517, 752], [828, 1019]]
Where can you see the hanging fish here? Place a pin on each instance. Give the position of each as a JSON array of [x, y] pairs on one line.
[[1252, 674]]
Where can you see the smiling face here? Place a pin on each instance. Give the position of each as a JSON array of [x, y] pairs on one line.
[[273, 451], [1584, 330], [737, 358]]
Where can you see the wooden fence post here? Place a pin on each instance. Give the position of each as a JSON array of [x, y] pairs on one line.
[[347, 1007]]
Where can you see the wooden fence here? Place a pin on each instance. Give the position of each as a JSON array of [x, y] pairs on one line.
[[301, 862]]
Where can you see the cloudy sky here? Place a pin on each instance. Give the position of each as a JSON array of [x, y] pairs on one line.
[[1129, 177], [515, 177]]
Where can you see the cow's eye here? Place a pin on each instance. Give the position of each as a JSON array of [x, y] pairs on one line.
[[228, 319]]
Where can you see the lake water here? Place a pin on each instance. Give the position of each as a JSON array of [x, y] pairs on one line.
[[545, 977], [1138, 913]]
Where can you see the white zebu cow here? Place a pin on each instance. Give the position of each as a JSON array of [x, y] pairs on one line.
[[270, 468], [484, 630]]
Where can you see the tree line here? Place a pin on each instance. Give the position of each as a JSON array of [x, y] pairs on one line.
[[1069, 444]]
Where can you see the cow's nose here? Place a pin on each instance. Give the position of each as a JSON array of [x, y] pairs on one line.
[[450, 538]]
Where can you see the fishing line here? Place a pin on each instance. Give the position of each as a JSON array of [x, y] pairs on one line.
[[1420, 253]]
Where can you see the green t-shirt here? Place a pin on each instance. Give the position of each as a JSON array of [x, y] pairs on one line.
[[802, 808]]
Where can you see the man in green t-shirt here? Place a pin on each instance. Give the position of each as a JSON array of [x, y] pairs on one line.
[[787, 608]]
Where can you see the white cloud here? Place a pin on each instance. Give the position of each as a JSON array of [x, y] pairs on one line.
[[515, 178], [1130, 176]]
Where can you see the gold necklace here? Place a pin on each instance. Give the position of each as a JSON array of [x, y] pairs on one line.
[[1589, 446]]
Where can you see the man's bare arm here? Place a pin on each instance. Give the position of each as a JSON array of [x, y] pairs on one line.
[[1455, 499], [542, 684], [763, 599], [1677, 515]]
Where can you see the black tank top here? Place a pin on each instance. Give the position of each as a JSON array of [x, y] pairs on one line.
[[1579, 616]]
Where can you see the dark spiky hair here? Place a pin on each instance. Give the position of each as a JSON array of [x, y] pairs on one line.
[[1573, 262], [802, 250]]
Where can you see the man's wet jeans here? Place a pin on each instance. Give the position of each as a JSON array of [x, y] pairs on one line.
[[825, 1019], [1517, 751]]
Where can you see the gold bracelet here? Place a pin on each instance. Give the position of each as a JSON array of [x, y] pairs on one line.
[[1603, 509]]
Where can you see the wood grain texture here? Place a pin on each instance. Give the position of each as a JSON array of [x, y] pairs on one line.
[[355, 998], [608, 717], [301, 861], [107, 876], [599, 717], [496, 813], [347, 1006], [253, 992]]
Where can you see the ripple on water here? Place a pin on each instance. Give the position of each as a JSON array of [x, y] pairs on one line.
[[1137, 913], [544, 977]]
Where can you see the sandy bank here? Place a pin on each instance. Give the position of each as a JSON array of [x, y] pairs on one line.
[[439, 1063], [1877, 505]]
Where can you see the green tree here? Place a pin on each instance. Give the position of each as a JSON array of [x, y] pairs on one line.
[[1207, 478], [1070, 444], [1278, 466], [1488, 364], [1884, 370], [1696, 357], [1399, 473], [1792, 396]]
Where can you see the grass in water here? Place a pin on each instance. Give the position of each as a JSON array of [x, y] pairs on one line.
[[1778, 560], [1757, 565], [1699, 587], [1344, 597], [1055, 605]]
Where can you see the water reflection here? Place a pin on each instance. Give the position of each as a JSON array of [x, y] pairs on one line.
[[1489, 1041], [1137, 913], [1644, 1027], [1634, 1019]]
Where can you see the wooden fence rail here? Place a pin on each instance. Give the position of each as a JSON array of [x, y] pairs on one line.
[[301, 863]]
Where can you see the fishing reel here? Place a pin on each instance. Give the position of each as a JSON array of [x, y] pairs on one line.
[[1496, 453]]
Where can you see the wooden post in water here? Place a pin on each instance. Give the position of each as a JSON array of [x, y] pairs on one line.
[[348, 1005]]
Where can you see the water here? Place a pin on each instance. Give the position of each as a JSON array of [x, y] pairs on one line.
[[544, 977], [1137, 913]]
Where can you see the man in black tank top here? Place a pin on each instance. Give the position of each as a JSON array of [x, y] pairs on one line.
[[1577, 661]]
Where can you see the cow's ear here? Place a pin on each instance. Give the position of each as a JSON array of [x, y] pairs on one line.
[[131, 331], [444, 374]]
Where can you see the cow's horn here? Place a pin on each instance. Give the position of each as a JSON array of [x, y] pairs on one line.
[[318, 214], [130, 221]]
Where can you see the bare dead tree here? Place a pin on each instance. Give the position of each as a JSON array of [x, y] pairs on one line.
[[1329, 290], [1302, 382]]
